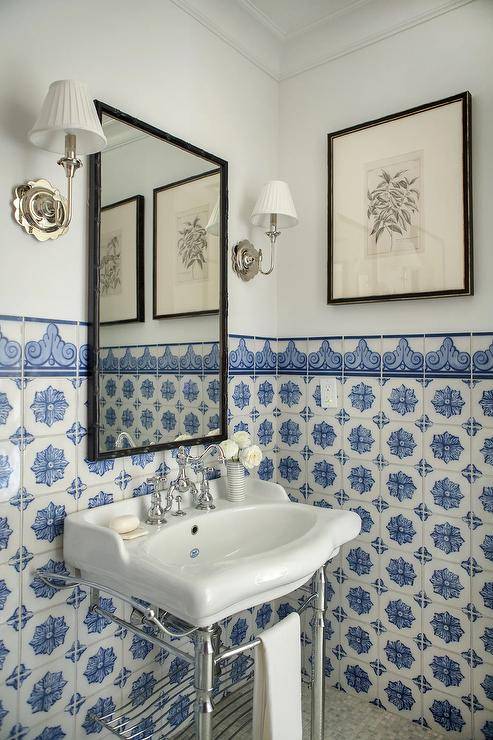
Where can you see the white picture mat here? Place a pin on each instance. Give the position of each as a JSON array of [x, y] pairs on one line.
[[122, 219], [439, 264], [173, 293]]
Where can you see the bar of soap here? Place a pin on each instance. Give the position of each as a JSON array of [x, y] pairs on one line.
[[125, 523]]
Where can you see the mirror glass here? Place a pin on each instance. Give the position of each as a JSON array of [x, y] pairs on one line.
[[159, 313]]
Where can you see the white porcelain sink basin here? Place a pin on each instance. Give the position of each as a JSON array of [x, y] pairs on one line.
[[208, 565]]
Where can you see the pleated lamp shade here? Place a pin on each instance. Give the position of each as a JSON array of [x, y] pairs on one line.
[[68, 109], [275, 197], [213, 223]]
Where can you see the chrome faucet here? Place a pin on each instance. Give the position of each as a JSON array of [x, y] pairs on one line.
[[182, 483], [121, 438], [201, 496], [205, 502], [156, 512]]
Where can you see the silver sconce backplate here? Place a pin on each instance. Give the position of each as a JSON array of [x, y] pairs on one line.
[[246, 260], [40, 209]]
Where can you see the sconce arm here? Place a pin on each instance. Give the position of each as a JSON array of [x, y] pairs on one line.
[[273, 233], [70, 164]]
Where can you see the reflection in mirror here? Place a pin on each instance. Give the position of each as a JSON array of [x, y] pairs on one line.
[[159, 321]]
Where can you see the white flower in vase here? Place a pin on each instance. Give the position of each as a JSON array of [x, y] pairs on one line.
[[251, 457], [242, 439], [230, 449]]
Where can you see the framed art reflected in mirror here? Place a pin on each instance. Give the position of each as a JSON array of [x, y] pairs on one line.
[[400, 205], [186, 247], [122, 261]]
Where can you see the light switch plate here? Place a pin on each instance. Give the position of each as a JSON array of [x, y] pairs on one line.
[[328, 393]]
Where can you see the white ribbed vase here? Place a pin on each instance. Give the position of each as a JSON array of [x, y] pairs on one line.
[[236, 481]]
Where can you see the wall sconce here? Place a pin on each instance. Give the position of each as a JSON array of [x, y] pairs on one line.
[[274, 209], [68, 124]]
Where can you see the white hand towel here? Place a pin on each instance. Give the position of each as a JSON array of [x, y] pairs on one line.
[[277, 683]]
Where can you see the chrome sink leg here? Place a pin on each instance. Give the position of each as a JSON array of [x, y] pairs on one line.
[[318, 658], [205, 652]]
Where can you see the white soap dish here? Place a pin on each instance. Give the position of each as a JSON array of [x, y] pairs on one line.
[[138, 532]]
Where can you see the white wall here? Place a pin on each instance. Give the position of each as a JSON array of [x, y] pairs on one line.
[[158, 63], [447, 55]]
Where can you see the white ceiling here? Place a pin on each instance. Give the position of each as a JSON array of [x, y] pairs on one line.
[[289, 17]]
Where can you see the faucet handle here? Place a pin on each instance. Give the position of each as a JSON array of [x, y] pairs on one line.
[[205, 502], [157, 482], [179, 511]]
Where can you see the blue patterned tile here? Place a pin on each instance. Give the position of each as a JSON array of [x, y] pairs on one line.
[[448, 400], [211, 358], [447, 446], [50, 349], [400, 695], [403, 356], [401, 486], [362, 356], [241, 355], [47, 689], [265, 356], [446, 538], [362, 396], [292, 357], [324, 475], [447, 356], [168, 359], [361, 439], [447, 493], [445, 713], [402, 399], [191, 360], [292, 393], [325, 356]]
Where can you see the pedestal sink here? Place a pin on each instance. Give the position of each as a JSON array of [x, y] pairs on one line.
[[208, 565], [205, 566]]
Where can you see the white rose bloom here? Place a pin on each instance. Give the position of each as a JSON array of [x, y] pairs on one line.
[[251, 457], [242, 439], [230, 449]]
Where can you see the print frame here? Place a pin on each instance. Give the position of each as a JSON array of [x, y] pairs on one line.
[[378, 252], [124, 223], [168, 257]]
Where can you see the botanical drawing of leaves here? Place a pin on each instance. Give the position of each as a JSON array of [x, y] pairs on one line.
[[391, 203]]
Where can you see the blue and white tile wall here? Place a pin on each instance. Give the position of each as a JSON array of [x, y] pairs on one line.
[[58, 663], [157, 392], [410, 449]]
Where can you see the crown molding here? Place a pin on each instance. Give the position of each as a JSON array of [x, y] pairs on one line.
[[267, 62], [282, 55], [263, 18], [304, 64]]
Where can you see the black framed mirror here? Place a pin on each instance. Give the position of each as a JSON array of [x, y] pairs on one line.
[[157, 291]]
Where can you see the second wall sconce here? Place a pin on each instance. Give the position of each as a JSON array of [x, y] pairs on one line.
[[68, 124], [275, 210]]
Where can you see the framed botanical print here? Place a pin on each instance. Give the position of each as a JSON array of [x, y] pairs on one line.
[[121, 262], [186, 247], [400, 205]]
